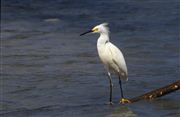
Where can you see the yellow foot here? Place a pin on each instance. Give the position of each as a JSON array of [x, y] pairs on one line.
[[124, 101]]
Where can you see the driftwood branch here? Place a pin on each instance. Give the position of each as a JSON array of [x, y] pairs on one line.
[[157, 92]]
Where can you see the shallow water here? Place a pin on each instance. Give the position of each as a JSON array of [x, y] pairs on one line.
[[49, 71]]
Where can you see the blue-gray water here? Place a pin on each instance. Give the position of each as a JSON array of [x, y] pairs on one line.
[[49, 71]]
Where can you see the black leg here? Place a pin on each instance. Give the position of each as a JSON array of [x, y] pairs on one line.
[[111, 86], [122, 95]]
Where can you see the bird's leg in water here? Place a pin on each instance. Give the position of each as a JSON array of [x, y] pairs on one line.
[[123, 100], [120, 84], [111, 86]]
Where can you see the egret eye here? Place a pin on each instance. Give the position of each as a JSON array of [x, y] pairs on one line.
[[95, 29]]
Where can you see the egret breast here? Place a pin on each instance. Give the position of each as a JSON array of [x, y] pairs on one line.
[[106, 58]]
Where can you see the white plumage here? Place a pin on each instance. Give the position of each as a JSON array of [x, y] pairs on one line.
[[111, 57], [109, 54]]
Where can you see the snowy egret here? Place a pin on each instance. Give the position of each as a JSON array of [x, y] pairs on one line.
[[111, 57]]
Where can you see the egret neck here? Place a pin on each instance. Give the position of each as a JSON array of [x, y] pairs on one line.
[[103, 39]]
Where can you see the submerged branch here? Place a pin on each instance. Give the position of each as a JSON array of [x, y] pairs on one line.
[[157, 92]]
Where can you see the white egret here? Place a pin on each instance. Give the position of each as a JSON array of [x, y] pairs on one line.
[[111, 57]]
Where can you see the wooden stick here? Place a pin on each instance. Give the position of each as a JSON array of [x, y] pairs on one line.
[[157, 92]]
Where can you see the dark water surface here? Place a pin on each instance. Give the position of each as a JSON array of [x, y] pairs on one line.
[[49, 71]]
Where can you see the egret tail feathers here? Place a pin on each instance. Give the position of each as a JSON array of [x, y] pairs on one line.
[[123, 76]]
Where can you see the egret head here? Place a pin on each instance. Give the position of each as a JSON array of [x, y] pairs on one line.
[[101, 28]]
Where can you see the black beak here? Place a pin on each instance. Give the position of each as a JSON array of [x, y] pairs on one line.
[[86, 32]]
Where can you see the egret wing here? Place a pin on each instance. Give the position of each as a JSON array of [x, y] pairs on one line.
[[119, 60]]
